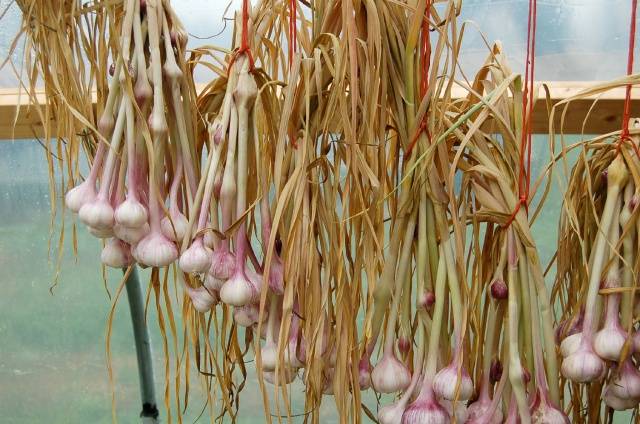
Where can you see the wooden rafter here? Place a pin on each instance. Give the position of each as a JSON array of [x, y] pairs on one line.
[[605, 115]]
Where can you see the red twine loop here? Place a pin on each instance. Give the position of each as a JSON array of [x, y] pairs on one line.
[[293, 41], [293, 33], [626, 115], [425, 51], [425, 59], [522, 201], [244, 40], [422, 127], [524, 175]]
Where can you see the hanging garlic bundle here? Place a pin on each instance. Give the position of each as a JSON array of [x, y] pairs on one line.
[[514, 319], [596, 263], [500, 320], [145, 149]]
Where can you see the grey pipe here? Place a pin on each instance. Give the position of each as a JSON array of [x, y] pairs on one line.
[[135, 296]]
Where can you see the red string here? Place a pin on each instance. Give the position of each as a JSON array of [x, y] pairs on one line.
[[244, 40], [293, 33], [245, 25], [293, 41], [425, 52], [534, 4], [422, 127], [626, 115], [524, 175], [425, 59]]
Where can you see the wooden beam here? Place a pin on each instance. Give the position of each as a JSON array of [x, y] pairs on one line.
[[26, 124], [605, 116]]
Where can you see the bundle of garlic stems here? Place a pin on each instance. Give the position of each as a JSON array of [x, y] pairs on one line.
[[336, 215], [597, 272], [122, 199]]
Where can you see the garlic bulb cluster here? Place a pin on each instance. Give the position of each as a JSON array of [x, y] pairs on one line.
[[483, 411], [447, 385], [583, 365], [390, 375], [121, 199], [594, 341], [197, 258]]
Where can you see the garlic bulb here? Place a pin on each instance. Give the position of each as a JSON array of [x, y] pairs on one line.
[[608, 342], [512, 415], [157, 120], [480, 412], [171, 70], [197, 258], [106, 123], [583, 365], [392, 414], [116, 254], [238, 290], [216, 129], [209, 240], [457, 409], [131, 213], [404, 344], [212, 283], [617, 403], [496, 370], [364, 374], [103, 233], [499, 289], [332, 357], [201, 298], [570, 344], [131, 235], [569, 326], [543, 412], [329, 381], [446, 381], [291, 354], [223, 264], [549, 416], [142, 91], [276, 276], [246, 316], [426, 300], [97, 214], [155, 250], [176, 231], [426, 409], [81, 194], [288, 374], [269, 356], [625, 384], [390, 375]]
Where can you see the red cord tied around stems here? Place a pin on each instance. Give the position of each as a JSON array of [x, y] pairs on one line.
[[524, 175], [293, 32], [293, 41], [425, 59], [244, 41], [626, 115]]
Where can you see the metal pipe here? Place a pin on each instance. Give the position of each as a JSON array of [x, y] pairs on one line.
[[135, 296]]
